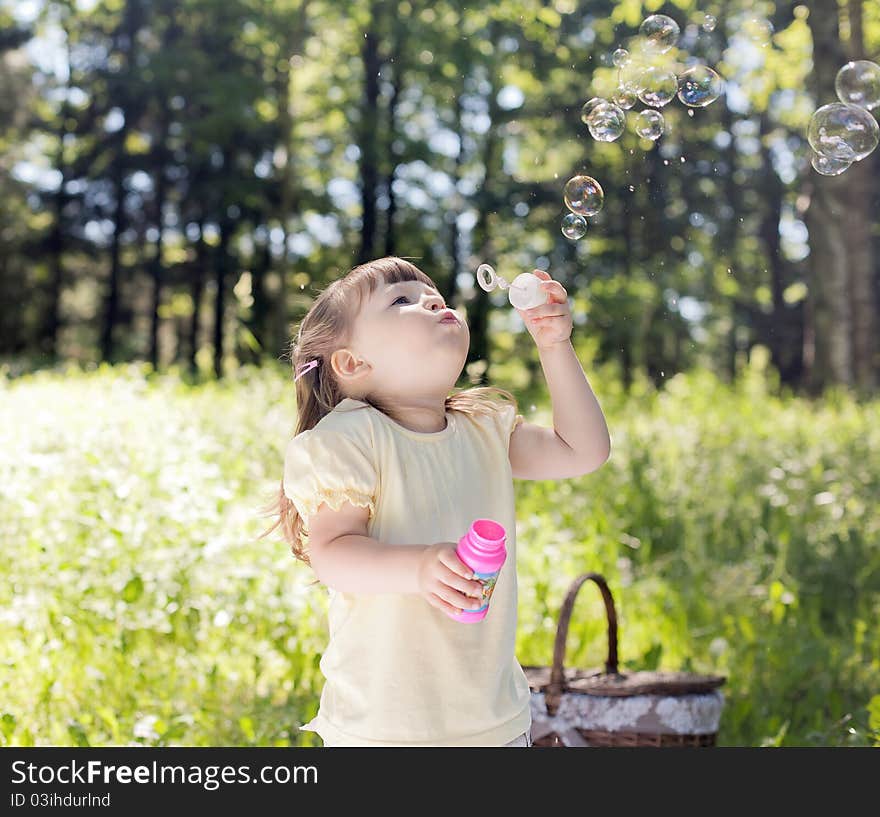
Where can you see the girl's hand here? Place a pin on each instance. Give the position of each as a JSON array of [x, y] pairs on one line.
[[551, 322], [444, 580]]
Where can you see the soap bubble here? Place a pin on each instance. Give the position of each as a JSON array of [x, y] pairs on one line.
[[649, 124], [758, 30], [660, 32], [589, 106], [657, 86], [574, 226], [841, 131], [699, 86], [828, 166], [709, 23], [583, 195], [625, 97], [858, 83], [606, 122], [620, 57]]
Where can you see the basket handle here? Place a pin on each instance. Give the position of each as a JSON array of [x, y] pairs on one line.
[[553, 692]]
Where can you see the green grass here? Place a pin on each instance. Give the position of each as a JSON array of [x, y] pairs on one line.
[[738, 530]]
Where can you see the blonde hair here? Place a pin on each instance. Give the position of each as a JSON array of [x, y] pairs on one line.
[[327, 327]]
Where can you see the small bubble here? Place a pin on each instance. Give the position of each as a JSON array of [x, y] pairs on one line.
[[858, 83], [649, 125], [660, 32], [699, 86], [620, 57], [574, 226]]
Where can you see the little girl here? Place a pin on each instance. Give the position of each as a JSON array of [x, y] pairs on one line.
[[386, 472]]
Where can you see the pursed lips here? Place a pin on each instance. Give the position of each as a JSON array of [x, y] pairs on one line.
[[449, 317]]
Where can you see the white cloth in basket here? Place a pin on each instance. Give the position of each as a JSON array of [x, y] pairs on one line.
[[692, 714]]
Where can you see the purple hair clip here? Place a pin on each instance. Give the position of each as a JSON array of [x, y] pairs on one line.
[[305, 367]]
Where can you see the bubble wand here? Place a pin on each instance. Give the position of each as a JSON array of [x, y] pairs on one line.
[[523, 293]]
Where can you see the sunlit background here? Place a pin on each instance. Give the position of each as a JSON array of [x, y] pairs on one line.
[[178, 180]]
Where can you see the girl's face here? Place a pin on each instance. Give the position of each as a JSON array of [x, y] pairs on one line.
[[404, 342]]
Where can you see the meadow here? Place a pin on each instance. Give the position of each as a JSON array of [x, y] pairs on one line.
[[737, 525]]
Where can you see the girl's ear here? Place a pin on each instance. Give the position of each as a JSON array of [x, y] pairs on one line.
[[347, 366]]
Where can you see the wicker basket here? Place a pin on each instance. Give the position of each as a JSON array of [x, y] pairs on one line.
[[573, 707]]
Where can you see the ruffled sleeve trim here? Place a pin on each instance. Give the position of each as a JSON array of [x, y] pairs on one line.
[[334, 500]]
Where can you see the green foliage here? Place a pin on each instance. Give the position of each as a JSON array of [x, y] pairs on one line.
[[736, 527]]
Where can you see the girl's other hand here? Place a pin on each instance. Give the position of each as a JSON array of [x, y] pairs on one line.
[[444, 580]]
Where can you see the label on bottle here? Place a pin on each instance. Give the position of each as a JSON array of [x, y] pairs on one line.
[[488, 581]]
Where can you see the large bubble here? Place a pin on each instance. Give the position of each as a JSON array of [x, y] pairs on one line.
[[858, 83], [589, 106], [660, 32], [649, 124], [828, 166], [574, 226], [606, 122], [657, 86], [699, 86], [583, 195], [841, 131]]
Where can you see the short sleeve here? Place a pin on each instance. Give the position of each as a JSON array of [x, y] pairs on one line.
[[328, 466], [508, 420]]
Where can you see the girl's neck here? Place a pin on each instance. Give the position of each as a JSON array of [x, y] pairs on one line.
[[422, 415]]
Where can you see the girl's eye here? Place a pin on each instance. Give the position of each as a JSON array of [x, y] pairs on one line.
[[404, 296]]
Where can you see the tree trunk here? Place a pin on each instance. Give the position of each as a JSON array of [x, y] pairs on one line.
[[156, 268], [369, 122], [397, 60], [56, 239], [831, 355], [221, 267], [111, 304], [198, 288], [258, 323], [289, 199], [863, 292], [487, 203], [130, 26], [455, 236], [780, 330]]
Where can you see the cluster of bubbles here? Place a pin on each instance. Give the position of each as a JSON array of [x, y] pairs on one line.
[[646, 78], [584, 197], [844, 132]]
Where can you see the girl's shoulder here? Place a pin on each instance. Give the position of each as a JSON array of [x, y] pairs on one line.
[[349, 420], [341, 439], [500, 418]]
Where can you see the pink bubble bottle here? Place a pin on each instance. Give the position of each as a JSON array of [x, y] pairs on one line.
[[482, 550]]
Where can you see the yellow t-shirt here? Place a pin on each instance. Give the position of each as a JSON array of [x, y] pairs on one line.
[[398, 671]]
